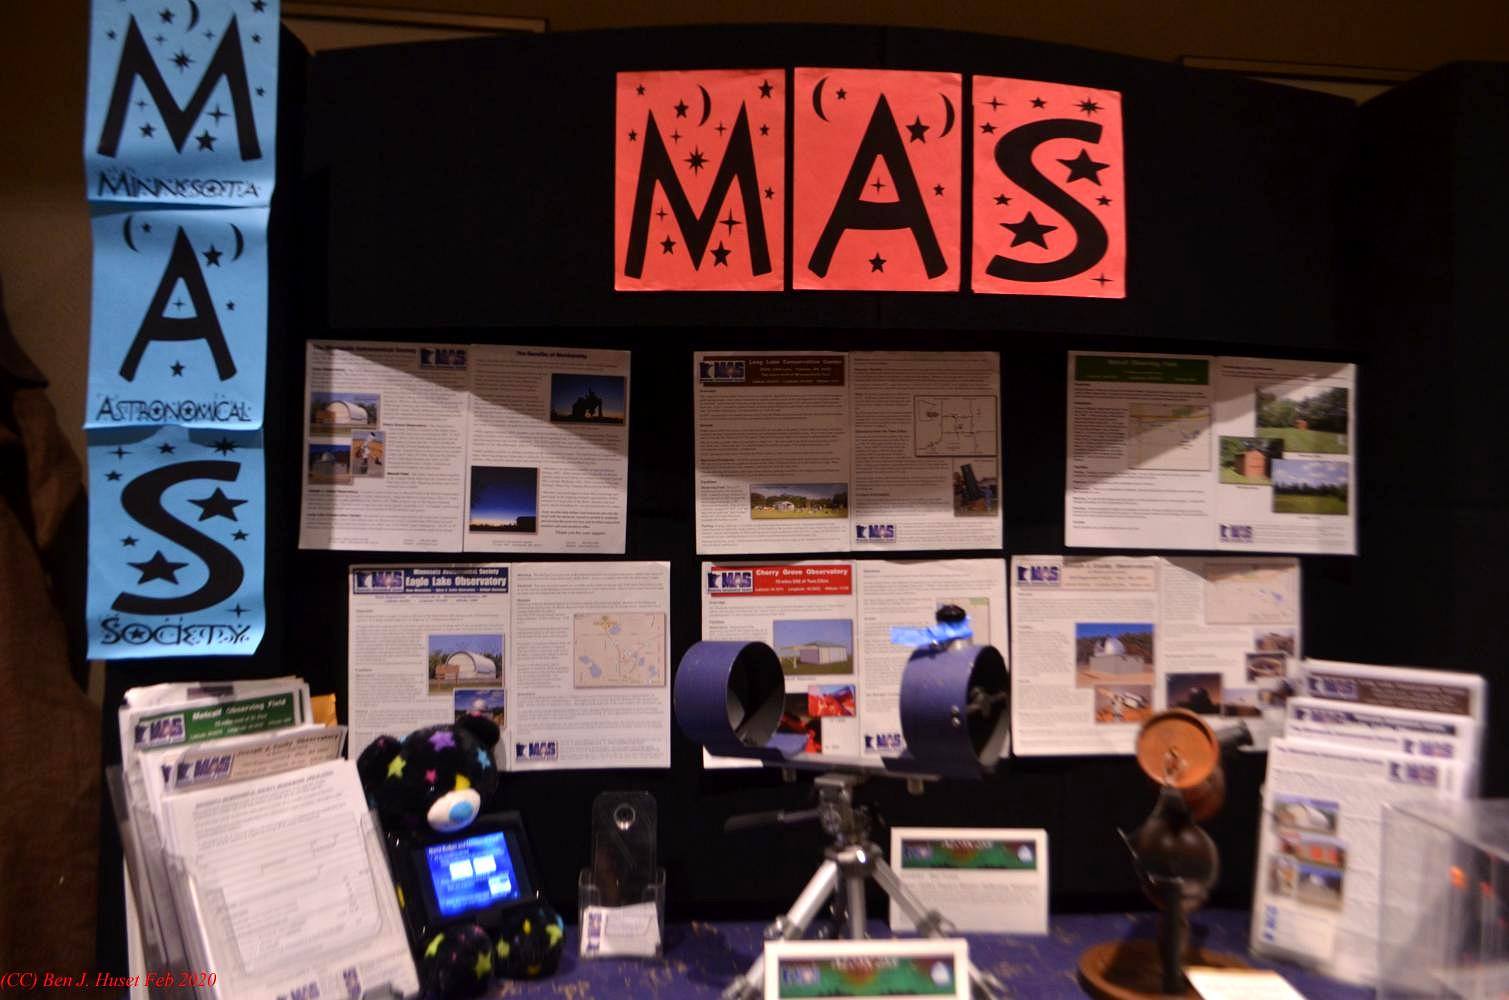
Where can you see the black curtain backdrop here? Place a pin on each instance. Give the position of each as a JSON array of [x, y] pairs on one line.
[[462, 192]]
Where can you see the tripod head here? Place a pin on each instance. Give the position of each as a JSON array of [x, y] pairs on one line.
[[847, 823]]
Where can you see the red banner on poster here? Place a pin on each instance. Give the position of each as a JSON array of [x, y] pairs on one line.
[[699, 199], [878, 166], [1049, 190]]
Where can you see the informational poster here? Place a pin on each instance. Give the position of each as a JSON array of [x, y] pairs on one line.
[[869, 450], [571, 660], [1101, 644], [1318, 888], [177, 525], [453, 447], [830, 623], [1198, 452]]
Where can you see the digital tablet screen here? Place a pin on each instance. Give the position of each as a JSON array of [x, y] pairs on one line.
[[472, 874]]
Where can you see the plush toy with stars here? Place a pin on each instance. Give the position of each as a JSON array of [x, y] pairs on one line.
[[432, 784]]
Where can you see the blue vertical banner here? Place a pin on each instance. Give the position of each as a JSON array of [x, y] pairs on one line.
[[178, 331], [182, 101], [180, 134], [177, 525]]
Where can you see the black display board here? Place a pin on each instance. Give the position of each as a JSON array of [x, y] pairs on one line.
[[462, 192]]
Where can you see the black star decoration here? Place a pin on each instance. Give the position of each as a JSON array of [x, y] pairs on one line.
[[842, 94], [877, 185], [209, 35], [987, 128], [675, 136], [730, 222], [217, 504], [259, 5], [256, 39], [182, 60], [918, 130], [217, 114], [1084, 168], [1088, 106], [205, 140], [877, 262], [667, 245], [147, 130], [158, 568], [178, 303], [166, 15], [128, 541], [660, 213], [146, 227], [112, 475], [239, 610], [938, 189], [223, 447], [994, 104], [696, 161], [633, 135], [764, 129], [1103, 200], [231, 306], [120, 452], [681, 109], [110, 34], [212, 256], [720, 255], [1002, 199], [141, 105], [765, 89], [260, 91], [721, 129], [239, 535], [177, 368], [1038, 102], [165, 448], [159, 39], [1103, 280], [639, 90], [769, 193], [1029, 230]]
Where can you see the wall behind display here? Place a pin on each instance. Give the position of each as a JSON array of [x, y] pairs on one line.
[[463, 192]]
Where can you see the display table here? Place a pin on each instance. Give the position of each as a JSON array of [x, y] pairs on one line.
[[701, 958]]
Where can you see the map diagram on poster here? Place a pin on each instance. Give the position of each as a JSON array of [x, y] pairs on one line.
[[1168, 436], [619, 650], [1250, 594], [956, 425]]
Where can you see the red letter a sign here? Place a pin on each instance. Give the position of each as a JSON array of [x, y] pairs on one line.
[[700, 162], [878, 165]]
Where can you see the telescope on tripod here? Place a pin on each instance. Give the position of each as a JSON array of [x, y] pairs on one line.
[[955, 720]]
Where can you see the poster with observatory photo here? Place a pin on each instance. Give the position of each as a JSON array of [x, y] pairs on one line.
[[414, 447]]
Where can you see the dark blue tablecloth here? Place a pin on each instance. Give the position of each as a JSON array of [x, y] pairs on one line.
[[701, 958]]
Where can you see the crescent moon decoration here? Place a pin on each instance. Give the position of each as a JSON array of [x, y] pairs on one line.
[[193, 14], [948, 115], [707, 104], [240, 241], [817, 98], [126, 232]]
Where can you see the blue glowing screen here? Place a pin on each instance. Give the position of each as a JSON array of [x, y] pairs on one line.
[[471, 874]]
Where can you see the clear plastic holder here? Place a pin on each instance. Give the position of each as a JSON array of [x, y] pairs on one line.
[[589, 899], [1444, 921], [207, 935]]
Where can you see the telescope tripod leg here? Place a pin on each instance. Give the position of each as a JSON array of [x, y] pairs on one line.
[[789, 926], [931, 923]]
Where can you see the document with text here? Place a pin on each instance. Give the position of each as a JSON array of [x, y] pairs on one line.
[[456, 447], [1200, 452], [867, 450], [570, 660], [830, 624], [1100, 644]]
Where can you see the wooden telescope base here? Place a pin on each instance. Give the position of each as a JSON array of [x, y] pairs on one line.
[[1132, 970]]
